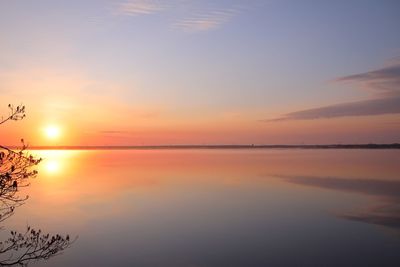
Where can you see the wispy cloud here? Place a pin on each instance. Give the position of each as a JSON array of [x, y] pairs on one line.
[[117, 133], [378, 106], [114, 132], [205, 21], [386, 79], [385, 84], [187, 15], [141, 7]]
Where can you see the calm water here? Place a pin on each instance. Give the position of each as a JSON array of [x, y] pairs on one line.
[[218, 207]]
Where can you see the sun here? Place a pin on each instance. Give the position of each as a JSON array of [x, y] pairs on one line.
[[52, 131]]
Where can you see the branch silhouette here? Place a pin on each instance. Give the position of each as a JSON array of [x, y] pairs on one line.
[[17, 113], [16, 170], [21, 248]]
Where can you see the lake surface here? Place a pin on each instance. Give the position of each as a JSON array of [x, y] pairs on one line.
[[192, 208]]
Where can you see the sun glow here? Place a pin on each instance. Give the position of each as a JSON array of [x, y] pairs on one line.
[[52, 132], [52, 166], [57, 162]]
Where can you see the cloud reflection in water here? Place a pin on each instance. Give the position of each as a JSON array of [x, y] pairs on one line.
[[386, 209]]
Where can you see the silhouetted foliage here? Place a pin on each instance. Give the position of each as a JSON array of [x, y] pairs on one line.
[[15, 114], [15, 172], [21, 248]]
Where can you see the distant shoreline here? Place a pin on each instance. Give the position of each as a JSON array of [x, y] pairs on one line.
[[155, 147]]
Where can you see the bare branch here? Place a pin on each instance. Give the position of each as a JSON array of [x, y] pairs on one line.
[[32, 245], [17, 113], [16, 172]]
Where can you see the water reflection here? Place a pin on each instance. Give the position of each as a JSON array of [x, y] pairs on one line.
[[17, 168], [386, 207], [374, 187], [52, 166], [217, 208], [56, 162]]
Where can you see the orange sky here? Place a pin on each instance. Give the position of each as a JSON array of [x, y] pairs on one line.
[[111, 74]]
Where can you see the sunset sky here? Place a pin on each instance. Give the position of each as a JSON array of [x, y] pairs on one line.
[[147, 72]]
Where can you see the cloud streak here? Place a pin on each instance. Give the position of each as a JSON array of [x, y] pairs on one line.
[[141, 7], [386, 79], [384, 82], [188, 16], [205, 21], [379, 106]]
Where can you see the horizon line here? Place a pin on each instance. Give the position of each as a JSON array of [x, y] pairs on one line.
[[218, 146]]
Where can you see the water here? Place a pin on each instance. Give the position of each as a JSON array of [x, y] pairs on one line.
[[218, 207]]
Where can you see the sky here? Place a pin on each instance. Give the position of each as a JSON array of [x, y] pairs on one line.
[[154, 72]]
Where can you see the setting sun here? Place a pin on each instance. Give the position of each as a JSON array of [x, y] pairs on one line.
[[199, 133], [52, 132]]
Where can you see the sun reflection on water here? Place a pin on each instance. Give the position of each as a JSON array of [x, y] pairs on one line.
[[55, 162], [52, 166]]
